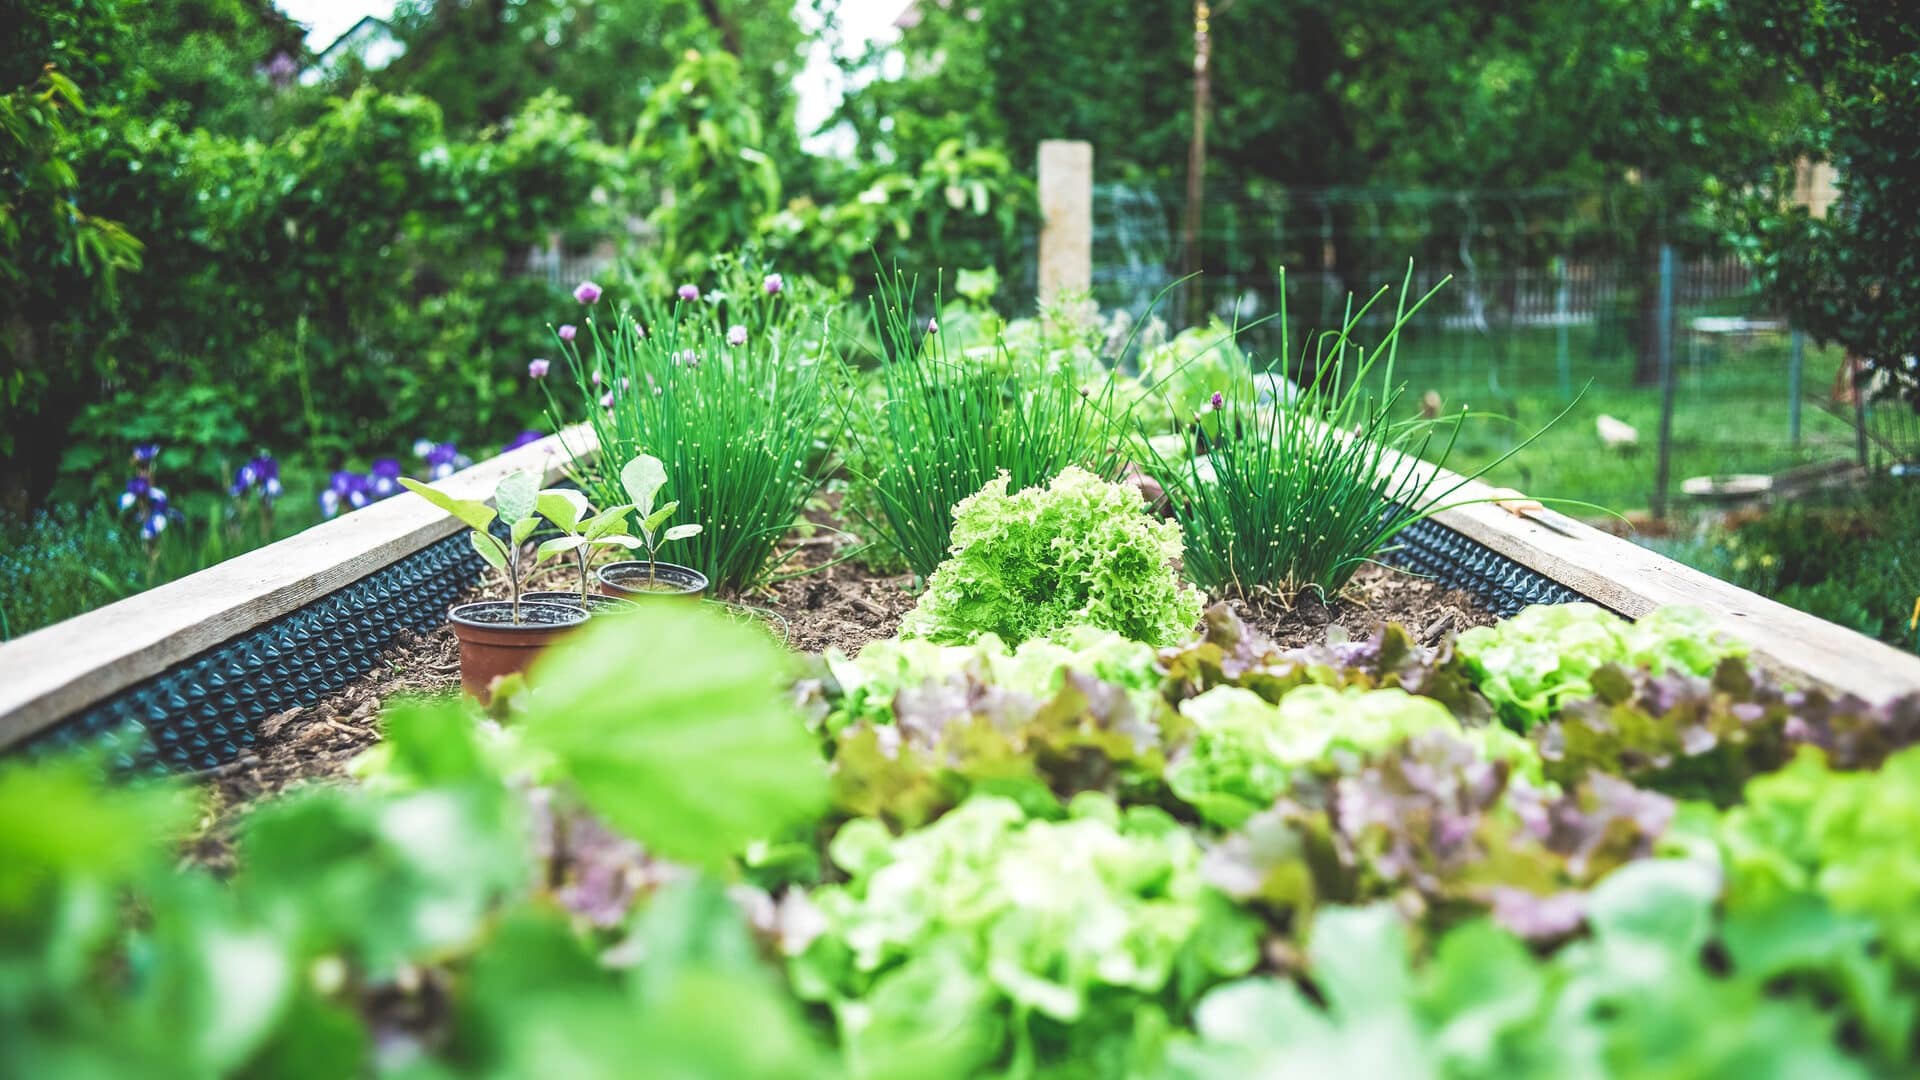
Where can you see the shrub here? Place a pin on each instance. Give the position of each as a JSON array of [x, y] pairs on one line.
[[1080, 550]]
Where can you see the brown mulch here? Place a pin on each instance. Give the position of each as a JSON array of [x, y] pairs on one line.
[[1377, 595]]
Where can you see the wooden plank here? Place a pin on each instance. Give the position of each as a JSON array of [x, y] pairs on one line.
[[1795, 646], [61, 669]]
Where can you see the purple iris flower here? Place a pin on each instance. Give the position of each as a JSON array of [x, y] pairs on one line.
[[144, 453], [774, 284], [567, 332], [443, 460], [689, 293], [155, 524], [525, 438], [586, 292], [137, 489], [384, 479]]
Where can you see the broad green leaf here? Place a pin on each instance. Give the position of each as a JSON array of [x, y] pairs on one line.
[[560, 545], [643, 478], [564, 507], [674, 727], [474, 513], [658, 518], [607, 521], [515, 495], [489, 549], [681, 532], [523, 529]]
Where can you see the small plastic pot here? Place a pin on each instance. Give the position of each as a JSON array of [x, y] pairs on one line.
[[597, 604], [629, 580], [492, 644]]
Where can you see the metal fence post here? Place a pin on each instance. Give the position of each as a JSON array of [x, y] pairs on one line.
[[1663, 345], [1796, 370]]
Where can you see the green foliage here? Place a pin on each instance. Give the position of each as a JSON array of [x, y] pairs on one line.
[[629, 736], [1298, 493], [1537, 661], [1848, 276], [1080, 551], [738, 429], [942, 422], [514, 500], [703, 140], [1050, 943]]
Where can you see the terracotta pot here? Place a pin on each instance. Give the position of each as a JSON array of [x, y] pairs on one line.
[[597, 604], [629, 580], [492, 645]]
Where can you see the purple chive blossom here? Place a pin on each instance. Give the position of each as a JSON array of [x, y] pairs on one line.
[[567, 331], [689, 293], [736, 335], [525, 438], [586, 292], [625, 382], [774, 284], [688, 358], [933, 326], [606, 400], [1217, 402], [537, 368]]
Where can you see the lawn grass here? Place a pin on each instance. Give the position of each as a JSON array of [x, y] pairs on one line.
[[1730, 410]]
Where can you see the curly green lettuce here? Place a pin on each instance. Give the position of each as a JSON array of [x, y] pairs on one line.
[[1078, 551], [1531, 664]]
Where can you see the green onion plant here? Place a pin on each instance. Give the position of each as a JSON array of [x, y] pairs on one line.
[[733, 412], [1297, 495]]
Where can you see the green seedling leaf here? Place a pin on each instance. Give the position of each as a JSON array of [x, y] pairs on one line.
[[489, 549], [514, 497], [681, 532], [628, 542], [658, 518], [560, 545], [564, 507], [643, 478], [523, 529], [472, 512], [674, 727], [607, 522]]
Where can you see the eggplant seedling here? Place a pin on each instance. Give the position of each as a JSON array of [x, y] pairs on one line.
[[643, 477], [582, 529], [513, 505]]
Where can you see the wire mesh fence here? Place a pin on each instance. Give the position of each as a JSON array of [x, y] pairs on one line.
[[1552, 299]]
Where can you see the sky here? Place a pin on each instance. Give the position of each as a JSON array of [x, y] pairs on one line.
[[818, 87]]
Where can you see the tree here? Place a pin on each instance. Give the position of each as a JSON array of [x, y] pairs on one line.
[[1852, 277]]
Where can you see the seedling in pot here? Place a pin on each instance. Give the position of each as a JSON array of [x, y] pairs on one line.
[[513, 505], [583, 530], [643, 478]]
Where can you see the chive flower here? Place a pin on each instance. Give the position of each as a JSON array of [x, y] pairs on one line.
[[567, 331], [537, 368], [606, 400], [586, 292], [933, 326], [736, 335], [1217, 402], [689, 293], [774, 284]]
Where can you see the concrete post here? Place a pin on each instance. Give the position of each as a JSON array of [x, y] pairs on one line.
[[1066, 217]]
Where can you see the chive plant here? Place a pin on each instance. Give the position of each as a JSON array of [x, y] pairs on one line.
[[728, 394], [1292, 496], [945, 422]]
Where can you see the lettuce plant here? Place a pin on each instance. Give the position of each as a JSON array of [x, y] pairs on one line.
[[1536, 661], [1079, 550], [514, 500]]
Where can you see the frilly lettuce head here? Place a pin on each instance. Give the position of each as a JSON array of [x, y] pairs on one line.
[[1530, 664], [1245, 748], [1078, 551]]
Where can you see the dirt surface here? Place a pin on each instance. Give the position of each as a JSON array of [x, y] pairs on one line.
[[1377, 595]]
